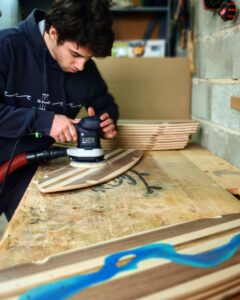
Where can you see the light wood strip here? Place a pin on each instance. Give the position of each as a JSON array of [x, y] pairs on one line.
[[142, 121], [66, 173]]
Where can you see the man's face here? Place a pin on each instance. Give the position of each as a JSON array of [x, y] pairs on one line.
[[68, 55]]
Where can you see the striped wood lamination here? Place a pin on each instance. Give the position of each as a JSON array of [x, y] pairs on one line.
[[153, 279], [152, 135], [70, 178]]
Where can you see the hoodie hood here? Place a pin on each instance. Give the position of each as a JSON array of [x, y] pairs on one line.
[[30, 28]]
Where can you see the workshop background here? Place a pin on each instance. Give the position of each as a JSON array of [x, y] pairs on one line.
[[215, 73]]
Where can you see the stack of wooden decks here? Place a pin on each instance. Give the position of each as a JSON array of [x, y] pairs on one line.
[[152, 135]]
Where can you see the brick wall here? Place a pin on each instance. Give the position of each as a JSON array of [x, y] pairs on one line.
[[217, 78]]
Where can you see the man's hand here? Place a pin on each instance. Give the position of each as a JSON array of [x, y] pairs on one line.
[[108, 127], [63, 129]]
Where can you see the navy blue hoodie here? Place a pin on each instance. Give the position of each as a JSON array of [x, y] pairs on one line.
[[33, 88]]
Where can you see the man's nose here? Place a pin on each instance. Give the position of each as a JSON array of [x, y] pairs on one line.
[[80, 64]]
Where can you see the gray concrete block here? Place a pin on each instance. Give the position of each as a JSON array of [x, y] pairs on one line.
[[219, 57], [222, 143], [236, 64], [216, 45], [232, 151], [221, 112], [200, 57], [234, 50], [201, 107], [214, 139]]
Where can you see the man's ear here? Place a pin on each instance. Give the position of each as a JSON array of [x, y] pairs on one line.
[[53, 34]]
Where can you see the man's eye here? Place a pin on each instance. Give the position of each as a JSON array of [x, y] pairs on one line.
[[75, 55]]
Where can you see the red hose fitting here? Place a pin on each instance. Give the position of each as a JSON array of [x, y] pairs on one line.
[[17, 162], [227, 10]]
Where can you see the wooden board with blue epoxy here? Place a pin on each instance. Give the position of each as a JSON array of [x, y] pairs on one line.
[[70, 178], [152, 279]]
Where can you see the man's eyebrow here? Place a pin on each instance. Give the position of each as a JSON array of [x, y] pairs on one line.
[[76, 53], [79, 54]]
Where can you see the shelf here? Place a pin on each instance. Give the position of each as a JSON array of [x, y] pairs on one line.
[[139, 9]]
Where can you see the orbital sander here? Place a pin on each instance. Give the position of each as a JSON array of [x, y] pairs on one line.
[[88, 148], [88, 152]]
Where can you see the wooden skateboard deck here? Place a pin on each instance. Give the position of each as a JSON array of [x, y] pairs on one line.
[[91, 273], [151, 135], [70, 178]]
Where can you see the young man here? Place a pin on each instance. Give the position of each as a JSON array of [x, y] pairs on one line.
[[46, 77]]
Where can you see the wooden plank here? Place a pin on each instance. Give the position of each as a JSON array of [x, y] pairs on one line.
[[180, 281], [222, 172], [164, 188], [235, 102], [156, 122], [145, 146]]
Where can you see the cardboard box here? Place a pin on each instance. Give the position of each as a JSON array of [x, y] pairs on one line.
[[150, 88]]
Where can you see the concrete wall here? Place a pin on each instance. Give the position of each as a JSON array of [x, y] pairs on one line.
[[10, 13], [217, 78]]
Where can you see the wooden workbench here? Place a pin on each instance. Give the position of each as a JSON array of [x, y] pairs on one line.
[[165, 188]]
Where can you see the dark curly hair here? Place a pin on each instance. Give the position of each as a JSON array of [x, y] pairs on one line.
[[88, 23]]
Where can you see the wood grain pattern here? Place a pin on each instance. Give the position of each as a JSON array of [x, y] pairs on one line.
[[71, 178], [154, 279], [222, 172]]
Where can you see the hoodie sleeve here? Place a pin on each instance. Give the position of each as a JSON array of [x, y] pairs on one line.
[[16, 122], [100, 99]]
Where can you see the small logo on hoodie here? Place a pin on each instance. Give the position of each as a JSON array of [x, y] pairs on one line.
[[43, 102]]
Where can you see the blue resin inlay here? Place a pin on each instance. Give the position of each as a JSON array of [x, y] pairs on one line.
[[65, 288]]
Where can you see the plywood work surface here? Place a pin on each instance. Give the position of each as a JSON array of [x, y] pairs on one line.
[[164, 188]]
